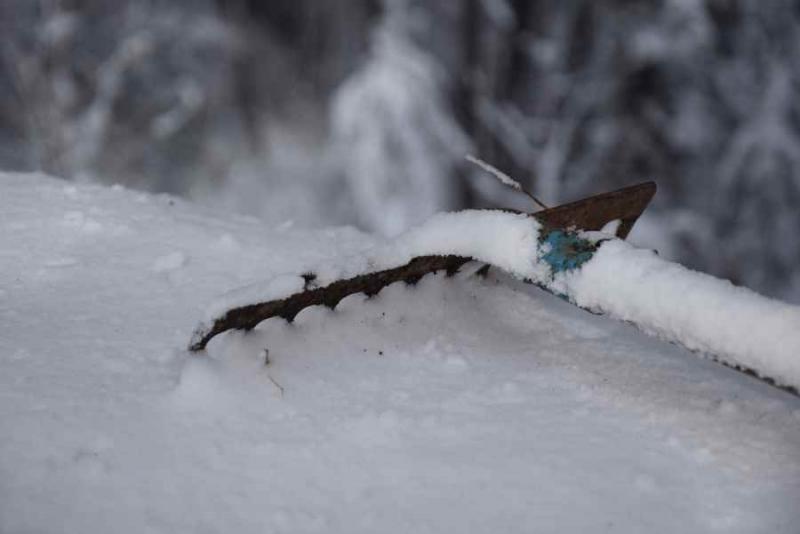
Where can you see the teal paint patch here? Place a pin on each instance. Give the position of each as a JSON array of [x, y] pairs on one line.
[[566, 251]]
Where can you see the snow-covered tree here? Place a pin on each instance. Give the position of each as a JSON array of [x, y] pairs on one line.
[[121, 89], [569, 98], [395, 135]]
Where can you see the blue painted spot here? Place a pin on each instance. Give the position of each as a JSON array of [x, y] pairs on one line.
[[566, 250]]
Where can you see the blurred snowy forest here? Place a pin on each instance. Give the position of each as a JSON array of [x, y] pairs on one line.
[[361, 111]]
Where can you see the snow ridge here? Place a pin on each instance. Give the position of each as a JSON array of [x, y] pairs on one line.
[[699, 311], [505, 240], [696, 310]]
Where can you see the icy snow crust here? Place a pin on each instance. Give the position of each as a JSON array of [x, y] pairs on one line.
[[455, 405]]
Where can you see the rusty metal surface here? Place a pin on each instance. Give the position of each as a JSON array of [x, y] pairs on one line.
[[592, 213]]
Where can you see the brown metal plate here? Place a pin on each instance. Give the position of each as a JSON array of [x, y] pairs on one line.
[[595, 212]]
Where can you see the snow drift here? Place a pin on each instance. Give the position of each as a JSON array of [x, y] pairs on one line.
[[459, 404]]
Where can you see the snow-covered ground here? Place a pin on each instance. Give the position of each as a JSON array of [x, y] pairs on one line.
[[454, 405]]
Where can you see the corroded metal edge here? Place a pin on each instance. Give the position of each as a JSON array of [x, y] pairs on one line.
[[591, 213]]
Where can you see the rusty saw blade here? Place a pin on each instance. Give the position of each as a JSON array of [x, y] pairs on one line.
[[592, 213]]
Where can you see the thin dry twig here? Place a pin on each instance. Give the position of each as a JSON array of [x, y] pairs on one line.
[[275, 382], [503, 178]]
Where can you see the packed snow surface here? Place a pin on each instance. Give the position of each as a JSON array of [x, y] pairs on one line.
[[457, 404]]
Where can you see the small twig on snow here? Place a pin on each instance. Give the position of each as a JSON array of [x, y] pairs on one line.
[[503, 178], [275, 382]]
